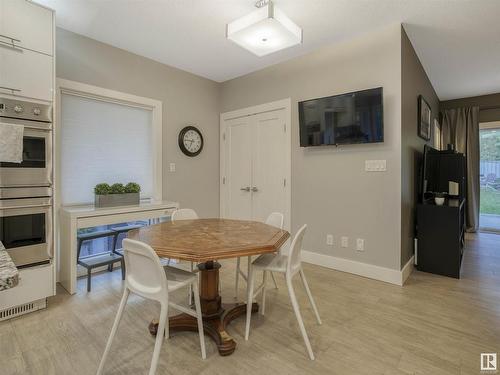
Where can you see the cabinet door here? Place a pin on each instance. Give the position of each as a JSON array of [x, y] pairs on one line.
[[29, 24], [28, 73]]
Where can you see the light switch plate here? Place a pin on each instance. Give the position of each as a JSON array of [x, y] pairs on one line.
[[375, 165]]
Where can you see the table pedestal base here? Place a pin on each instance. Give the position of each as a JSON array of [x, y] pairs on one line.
[[216, 317]]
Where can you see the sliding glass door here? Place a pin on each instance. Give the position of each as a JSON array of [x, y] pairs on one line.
[[490, 176]]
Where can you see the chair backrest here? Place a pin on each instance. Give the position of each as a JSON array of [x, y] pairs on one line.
[[295, 249], [145, 274], [184, 214], [275, 219]]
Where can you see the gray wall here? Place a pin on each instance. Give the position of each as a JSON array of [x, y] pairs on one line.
[[331, 192], [186, 99], [414, 82], [489, 106]]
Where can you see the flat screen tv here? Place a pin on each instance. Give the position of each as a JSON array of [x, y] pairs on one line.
[[356, 117]]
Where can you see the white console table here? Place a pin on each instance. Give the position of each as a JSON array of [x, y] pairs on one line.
[[73, 218]]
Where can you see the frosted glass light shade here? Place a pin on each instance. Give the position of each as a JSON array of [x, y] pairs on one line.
[[264, 31]]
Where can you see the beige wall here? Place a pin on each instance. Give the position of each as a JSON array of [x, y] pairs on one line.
[[331, 192], [414, 82], [186, 99], [489, 106]]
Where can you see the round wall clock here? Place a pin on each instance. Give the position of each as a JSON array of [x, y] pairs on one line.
[[190, 141]]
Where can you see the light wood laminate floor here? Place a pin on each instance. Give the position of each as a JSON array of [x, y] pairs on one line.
[[432, 325]]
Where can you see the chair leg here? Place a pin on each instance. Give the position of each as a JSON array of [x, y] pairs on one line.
[[249, 301], [274, 281], [236, 284], [190, 289], [309, 294], [113, 330], [296, 309], [200, 320], [113, 251], [159, 339], [89, 279], [263, 303], [122, 263]]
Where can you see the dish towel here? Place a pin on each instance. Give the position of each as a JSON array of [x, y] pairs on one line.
[[11, 143]]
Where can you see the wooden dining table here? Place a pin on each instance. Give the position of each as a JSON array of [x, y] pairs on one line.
[[205, 241]]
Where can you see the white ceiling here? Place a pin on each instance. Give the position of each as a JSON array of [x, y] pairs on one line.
[[458, 41]]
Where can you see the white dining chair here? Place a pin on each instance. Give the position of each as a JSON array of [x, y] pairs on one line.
[[276, 219], [290, 266], [186, 214], [147, 278]]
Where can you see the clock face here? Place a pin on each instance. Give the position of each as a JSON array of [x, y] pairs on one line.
[[190, 141]]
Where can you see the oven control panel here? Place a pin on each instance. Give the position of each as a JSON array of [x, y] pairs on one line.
[[22, 110]]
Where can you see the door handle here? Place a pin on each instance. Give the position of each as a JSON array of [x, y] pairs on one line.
[[254, 189], [11, 38], [13, 90], [245, 188], [11, 46]]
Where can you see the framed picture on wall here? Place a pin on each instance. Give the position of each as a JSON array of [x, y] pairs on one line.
[[424, 119]]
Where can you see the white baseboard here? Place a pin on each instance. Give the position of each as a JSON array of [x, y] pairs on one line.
[[407, 269], [371, 271]]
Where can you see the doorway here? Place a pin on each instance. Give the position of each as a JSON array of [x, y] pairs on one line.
[[489, 139], [256, 162]]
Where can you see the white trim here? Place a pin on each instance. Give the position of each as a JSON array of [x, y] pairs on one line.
[[371, 271], [407, 269], [98, 93], [285, 104]]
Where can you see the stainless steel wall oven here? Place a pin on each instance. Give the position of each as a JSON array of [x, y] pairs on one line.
[[36, 166], [26, 207], [26, 225]]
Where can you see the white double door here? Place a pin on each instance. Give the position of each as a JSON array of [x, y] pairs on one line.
[[255, 166]]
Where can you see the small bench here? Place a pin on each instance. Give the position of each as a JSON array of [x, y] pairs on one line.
[[120, 230], [101, 260]]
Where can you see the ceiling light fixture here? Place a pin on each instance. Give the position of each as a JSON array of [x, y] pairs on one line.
[[265, 30]]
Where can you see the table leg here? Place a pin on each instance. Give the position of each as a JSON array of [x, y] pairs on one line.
[[216, 317]]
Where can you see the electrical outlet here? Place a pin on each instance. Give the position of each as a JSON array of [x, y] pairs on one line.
[[344, 241], [329, 239], [360, 244], [172, 167]]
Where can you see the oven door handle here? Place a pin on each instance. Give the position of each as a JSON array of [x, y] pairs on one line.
[[2, 208], [45, 130]]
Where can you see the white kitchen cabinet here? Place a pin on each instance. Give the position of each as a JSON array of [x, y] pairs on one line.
[[26, 73], [27, 25], [34, 283]]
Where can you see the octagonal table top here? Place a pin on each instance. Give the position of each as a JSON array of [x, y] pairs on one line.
[[203, 240]]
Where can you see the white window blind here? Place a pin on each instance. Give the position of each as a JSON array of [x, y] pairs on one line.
[[103, 142]]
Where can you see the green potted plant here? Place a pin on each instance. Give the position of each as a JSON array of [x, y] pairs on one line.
[[117, 194]]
